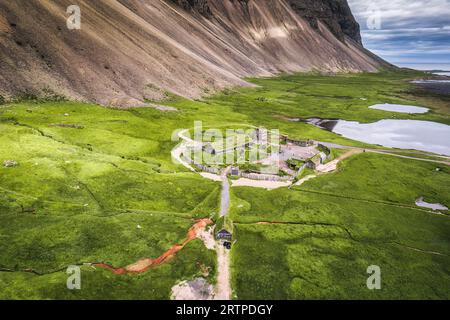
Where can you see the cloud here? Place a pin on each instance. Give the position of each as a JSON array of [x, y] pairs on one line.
[[406, 30]]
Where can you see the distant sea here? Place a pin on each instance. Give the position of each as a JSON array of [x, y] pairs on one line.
[[442, 69], [443, 73]]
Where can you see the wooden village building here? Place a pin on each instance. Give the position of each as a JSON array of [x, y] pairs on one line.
[[224, 235]]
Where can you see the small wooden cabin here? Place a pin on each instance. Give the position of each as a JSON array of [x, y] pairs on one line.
[[224, 235]]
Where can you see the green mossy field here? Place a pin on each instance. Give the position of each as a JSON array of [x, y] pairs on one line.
[[96, 184], [329, 230]]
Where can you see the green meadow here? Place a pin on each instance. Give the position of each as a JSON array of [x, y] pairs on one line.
[[96, 194], [96, 184], [328, 231]]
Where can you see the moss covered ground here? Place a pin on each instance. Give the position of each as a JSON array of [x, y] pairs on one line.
[[88, 176]]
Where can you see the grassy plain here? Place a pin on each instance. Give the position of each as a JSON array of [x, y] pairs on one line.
[[79, 195], [329, 230], [89, 175]]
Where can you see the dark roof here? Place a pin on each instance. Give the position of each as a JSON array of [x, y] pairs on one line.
[[224, 232]]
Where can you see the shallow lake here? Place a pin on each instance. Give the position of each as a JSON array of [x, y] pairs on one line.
[[403, 134], [435, 206], [399, 108]]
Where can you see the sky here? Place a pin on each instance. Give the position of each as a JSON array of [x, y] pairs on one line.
[[408, 33]]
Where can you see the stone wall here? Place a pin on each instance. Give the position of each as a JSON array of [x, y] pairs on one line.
[[202, 167], [265, 177]]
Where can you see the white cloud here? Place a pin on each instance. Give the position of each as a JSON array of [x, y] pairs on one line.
[[409, 30], [403, 13]]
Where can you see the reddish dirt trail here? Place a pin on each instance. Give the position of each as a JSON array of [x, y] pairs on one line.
[[268, 223], [144, 265]]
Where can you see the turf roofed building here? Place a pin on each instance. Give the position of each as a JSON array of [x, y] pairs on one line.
[[224, 235]]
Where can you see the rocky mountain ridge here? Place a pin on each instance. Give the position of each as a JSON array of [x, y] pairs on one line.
[[128, 51]]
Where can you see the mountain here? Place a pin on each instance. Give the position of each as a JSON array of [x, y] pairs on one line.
[[335, 14], [130, 50]]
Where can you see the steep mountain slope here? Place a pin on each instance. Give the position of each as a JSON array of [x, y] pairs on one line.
[[137, 49], [335, 14]]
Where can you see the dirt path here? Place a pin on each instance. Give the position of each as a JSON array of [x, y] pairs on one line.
[[269, 185], [303, 180], [326, 168], [387, 152], [408, 157], [223, 286], [182, 148], [332, 165], [225, 197], [211, 176], [144, 265]]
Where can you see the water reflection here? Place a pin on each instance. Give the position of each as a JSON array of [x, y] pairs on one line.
[[435, 206], [399, 108], [403, 134]]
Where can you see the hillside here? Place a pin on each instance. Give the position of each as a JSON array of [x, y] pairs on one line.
[[131, 50]]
